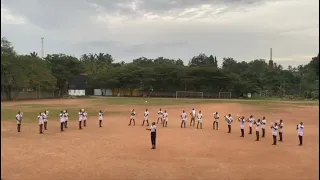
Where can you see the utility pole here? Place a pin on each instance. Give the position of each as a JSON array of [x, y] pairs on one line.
[[42, 52]]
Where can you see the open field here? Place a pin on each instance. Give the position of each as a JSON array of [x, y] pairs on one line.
[[119, 151]]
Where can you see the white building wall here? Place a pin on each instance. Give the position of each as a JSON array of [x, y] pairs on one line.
[[77, 92]]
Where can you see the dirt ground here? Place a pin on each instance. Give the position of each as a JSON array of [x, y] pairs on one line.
[[119, 151]]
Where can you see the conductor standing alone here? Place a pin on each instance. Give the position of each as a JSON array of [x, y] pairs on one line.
[[153, 130]]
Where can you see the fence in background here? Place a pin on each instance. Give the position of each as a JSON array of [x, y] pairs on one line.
[[24, 95]]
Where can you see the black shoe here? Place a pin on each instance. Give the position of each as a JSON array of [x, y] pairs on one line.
[[257, 140]]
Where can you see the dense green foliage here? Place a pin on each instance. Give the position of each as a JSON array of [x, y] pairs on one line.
[[161, 74]]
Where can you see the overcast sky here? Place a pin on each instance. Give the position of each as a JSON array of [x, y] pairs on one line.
[[128, 29]]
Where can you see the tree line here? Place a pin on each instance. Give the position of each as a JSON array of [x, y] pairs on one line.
[[161, 74]]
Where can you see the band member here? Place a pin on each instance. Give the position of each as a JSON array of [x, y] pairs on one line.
[[193, 117], [146, 117], [66, 118], [300, 128], [80, 118], [280, 130], [274, 128], [229, 121], [160, 116], [250, 121], [183, 118], [165, 118], [40, 118], [19, 119], [85, 117], [132, 117], [45, 119], [216, 120], [199, 120], [263, 126], [100, 118], [153, 130], [257, 123], [61, 121], [242, 121]]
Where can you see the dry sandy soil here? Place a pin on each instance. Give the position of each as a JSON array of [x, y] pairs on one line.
[[119, 151]]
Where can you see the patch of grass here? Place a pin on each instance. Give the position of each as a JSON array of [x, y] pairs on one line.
[[43, 106]]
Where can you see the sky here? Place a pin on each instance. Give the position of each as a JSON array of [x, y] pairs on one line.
[[128, 29]]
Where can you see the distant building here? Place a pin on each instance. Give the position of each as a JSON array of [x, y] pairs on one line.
[[78, 85]]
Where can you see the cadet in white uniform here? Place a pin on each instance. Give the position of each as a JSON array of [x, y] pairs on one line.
[[80, 118], [263, 126], [257, 123], [45, 119], [193, 117], [165, 118], [146, 117], [100, 118], [85, 117], [229, 121], [61, 115], [19, 119], [160, 116], [242, 122], [275, 129], [183, 119], [300, 129], [66, 118], [250, 121], [132, 117], [40, 118], [199, 120], [153, 130], [280, 130], [216, 120]]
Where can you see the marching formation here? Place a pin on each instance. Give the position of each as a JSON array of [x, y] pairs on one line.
[[276, 127]]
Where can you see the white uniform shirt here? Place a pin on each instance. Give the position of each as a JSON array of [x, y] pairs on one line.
[[160, 114], [66, 116], [184, 116], [200, 117], [19, 117], [250, 121], [229, 120], [153, 128], [263, 122], [300, 130], [242, 121], [85, 115], [45, 117], [216, 117], [40, 118], [258, 126], [146, 115], [193, 113], [165, 116], [133, 113], [61, 117], [281, 128], [100, 116], [275, 130], [80, 116]]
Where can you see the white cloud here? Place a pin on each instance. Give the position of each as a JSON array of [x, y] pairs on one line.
[[8, 18], [128, 29]]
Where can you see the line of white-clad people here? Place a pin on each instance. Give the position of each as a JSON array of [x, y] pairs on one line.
[[63, 116]]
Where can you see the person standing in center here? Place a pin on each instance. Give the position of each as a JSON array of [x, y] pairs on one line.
[[66, 118], [242, 121], [153, 130], [45, 119], [165, 119], [40, 118], [132, 117], [85, 117], [183, 119], [160, 116], [280, 130], [216, 120], [274, 128], [146, 117], [300, 128], [193, 117], [229, 121]]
